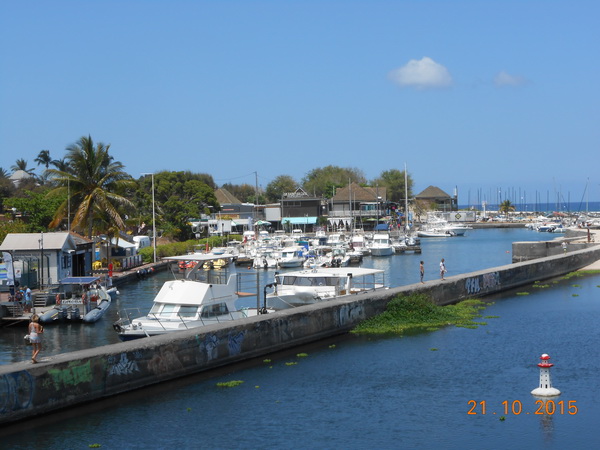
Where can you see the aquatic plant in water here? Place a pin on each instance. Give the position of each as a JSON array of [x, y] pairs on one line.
[[302, 355], [229, 384], [418, 312], [522, 293]]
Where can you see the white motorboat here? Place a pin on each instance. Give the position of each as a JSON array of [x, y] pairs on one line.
[[306, 287], [291, 257], [187, 303], [79, 299], [433, 233], [381, 245]]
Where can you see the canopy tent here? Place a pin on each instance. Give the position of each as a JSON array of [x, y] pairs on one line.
[[382, 227], [262, 222], [299, 220]]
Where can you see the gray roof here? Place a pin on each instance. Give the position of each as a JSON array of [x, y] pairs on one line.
[[360, 193], [432, 192], [224, 197], [32, 241]]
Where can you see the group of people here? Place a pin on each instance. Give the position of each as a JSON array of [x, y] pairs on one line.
[[23, 296], [442, 270]]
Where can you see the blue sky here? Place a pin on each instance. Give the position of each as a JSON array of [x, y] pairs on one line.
[[482, 95]]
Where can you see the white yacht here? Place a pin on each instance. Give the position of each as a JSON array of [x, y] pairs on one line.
[[381, 245], [306, 287], [187, 303], [291, 257]]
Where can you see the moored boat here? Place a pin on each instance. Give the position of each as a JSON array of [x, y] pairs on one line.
[[187, 303], [305, 287]]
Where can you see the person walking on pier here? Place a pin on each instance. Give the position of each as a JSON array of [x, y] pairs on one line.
[[35, 330], [442, 269], [422, 270]]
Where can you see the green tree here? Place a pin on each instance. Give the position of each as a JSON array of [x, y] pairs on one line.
[[279, 186], [13, 226], [43, 158], [179, 197], [506, 207], [36, 209], [93, 186], [393, 181], [322, 181], [21, 164]]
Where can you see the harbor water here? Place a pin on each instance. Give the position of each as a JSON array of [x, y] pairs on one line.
[[420, 390]]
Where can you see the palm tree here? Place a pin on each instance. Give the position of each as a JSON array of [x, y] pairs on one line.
[[21, 164], [3, 173], [61, 164], [43, 158], [91, 185], [506, 206]]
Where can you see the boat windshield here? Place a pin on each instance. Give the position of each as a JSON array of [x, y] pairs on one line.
[[218, 309], [188, 311], [309, 281]]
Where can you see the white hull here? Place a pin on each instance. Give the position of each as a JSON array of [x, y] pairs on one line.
[[307, 287]]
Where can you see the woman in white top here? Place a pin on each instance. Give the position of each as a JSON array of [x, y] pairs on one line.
[[35, 330]]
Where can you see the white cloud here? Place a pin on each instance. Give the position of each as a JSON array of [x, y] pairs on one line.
[[422, 74], [505, 79]]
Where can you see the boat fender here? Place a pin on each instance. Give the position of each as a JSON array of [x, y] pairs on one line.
[[117, 327]]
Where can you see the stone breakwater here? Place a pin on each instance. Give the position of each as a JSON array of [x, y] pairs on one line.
[[29, 390]]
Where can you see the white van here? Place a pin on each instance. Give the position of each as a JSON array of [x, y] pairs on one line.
[[141, 241]]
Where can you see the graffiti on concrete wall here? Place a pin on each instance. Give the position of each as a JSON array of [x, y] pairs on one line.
[[122, 365], [485, 282], [235, 341], [210, 346], [165, 360], [350, 314], [16, 391], [73, 375]]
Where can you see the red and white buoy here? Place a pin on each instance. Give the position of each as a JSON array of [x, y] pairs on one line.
[[545, 389]]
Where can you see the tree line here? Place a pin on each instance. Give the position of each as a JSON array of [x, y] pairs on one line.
[[90, 192]]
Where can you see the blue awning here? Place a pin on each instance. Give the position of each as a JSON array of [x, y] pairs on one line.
[[382, 227], [300, 220]]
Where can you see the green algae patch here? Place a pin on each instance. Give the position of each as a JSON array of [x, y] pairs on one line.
[[522, 293], [417, 312], [229, 384], [302, 355]]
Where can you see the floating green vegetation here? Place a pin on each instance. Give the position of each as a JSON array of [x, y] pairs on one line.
[[292, 363], [541, 286], [491, 317], [189, 410], [302, 355], [580, 273], [575, 285], [574, 295], [266, 361], [95, 445], [230, 384], [333, 345], [433, 349], [502, 418], [522, 293], [417, 312]]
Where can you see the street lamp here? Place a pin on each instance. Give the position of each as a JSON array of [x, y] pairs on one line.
[[153, 217]]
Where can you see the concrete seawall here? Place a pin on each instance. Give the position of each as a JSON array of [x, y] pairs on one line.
[[27, 390]]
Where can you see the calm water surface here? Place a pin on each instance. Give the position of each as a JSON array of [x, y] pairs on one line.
[[356, 392]]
